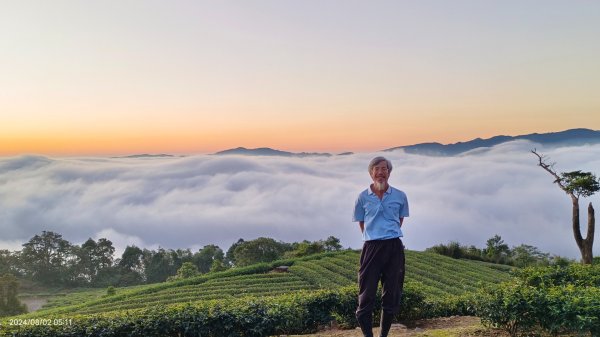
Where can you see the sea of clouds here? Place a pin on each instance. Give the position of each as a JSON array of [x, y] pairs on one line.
[[189, 202]]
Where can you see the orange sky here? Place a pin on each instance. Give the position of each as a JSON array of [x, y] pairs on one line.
[[101, 78]]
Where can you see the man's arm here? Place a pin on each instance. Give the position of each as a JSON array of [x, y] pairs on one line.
[[362, 226], [401, 221]]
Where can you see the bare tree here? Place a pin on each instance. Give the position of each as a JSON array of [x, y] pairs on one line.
[[576, 184]]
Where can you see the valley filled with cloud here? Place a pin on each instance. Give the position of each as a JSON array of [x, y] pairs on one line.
[[189, 202]]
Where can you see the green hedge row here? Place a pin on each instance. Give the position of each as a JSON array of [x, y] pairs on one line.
[[415, 305], [298, 313], [576, 274], [440, 277], [149, 290], [552, 300]]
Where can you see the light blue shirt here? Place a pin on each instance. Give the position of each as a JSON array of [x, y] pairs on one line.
[[381, 216]]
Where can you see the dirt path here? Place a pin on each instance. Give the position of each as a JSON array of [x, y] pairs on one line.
[[456, 326]]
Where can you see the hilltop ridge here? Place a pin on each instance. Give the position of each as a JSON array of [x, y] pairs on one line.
[[569, 137]]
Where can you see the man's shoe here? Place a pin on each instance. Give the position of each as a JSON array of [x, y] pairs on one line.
[[386, 324]]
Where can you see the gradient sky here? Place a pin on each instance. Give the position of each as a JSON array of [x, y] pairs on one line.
[[118, 77]]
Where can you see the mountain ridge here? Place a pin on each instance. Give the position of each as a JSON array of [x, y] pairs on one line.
[[266, 151], [578, 136]]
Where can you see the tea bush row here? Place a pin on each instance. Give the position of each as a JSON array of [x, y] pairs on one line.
[[297, 313], [323, 271], [552, 300]]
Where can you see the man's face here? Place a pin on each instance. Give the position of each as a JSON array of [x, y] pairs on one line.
[[380, 174]]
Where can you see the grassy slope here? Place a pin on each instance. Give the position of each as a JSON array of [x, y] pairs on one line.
[[440, 275]]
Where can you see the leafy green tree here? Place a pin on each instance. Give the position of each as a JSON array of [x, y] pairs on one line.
[[217, 265], [496, 250], [332, 244], [526, 256], [561, 261], [96, 261], [159, 265], [181, 256], [577, 184], [474, 253], [132, 259], [9, 303], [457, 251], [259, 250], [305, 248], [206, 256], [104, 253], [187, 270], [7, 262], [45, 258], [81, 271], [229, 256], [131, 266]]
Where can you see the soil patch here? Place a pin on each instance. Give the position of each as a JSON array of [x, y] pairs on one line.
[[455, 326]]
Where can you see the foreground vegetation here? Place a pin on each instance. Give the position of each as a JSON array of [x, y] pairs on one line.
[[292, 313], [437, 276], [551, 300], [316, 289]]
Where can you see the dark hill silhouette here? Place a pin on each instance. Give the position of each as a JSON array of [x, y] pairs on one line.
[[145, 155], [570, 137], [265, 151]]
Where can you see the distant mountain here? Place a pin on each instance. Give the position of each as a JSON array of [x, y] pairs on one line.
[[564, 138], [571, 137], [265, 151], [145, 155]]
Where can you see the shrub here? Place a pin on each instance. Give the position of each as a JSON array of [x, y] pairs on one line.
[[570, 309], [414, 305], [508, 306], [576, 274], [110, 291], [553, 299]]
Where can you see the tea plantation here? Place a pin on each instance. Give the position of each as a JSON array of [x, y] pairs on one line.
[[314, 290], [439, 276]]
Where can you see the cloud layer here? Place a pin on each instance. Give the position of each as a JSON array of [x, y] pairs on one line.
[[194, 201]]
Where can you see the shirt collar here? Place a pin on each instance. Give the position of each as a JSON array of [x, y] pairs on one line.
[[388, 191]]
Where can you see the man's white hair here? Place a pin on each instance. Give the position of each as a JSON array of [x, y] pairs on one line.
[[378, 160]]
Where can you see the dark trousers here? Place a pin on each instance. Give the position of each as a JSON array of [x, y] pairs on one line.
[[380, 260]]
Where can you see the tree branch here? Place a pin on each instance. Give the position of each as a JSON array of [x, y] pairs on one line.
[[548, 168]]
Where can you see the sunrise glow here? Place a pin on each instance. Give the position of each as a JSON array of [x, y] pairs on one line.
[[183, 78]]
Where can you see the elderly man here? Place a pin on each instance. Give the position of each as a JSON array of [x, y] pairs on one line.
[[380, 211]]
